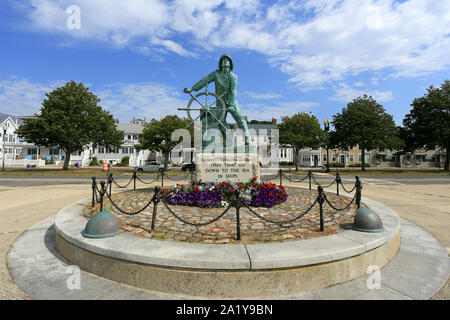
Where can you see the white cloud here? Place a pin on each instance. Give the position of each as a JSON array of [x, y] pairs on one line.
[[346, 93], [262, 96], [277, 110], [22, 97], [145, 99], [123, 101], [316, 42]]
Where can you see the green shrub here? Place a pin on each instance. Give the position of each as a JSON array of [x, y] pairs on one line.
[[94, 161], [359, 165], [336, 164], [125, 161]]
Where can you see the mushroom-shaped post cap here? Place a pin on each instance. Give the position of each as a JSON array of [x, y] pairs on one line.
[[367, 220], [101, 225]]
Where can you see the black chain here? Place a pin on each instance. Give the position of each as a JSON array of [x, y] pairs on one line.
[[280, 223], [337, 209], [354, 187], [315, 181], [268, 179], [291, 180], [157, 177], [130, 213], [115, 182], [173, 179], [192, 223]]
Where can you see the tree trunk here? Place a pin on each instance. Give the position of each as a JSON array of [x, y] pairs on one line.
[[447, 159], [296, 159], [66, 160], [166, 160], [363, 160]]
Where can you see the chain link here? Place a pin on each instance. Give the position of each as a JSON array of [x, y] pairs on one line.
[[130, 213], [337, 209], [192, 223], [157, 177], [291, 180], [115, 182], [354, 187]]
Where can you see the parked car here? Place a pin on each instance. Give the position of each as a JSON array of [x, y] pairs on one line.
[[152, 166], [188, 167]]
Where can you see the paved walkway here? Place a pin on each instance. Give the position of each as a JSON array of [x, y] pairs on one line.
[[426, 206], [416, 272]]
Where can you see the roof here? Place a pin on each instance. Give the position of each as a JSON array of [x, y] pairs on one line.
[[4, 116], [259, 127], [130, 127]]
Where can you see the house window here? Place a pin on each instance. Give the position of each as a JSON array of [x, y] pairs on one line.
[[129, 137], [101, 150], [351, 157], [324, 157], [333, 157]]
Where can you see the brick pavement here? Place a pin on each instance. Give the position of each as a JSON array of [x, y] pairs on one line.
[[253, 229]]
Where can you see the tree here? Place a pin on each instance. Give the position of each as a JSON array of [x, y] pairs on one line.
[[157, 135], [302, 130], [69, 119], [365, 123], [428, 123]]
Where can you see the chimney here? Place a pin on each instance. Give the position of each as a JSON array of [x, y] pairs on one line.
[[145, 119], [134, 118], [246, 119], [274, 121]]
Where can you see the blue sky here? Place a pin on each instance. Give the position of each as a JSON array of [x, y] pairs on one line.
[[290, 56]]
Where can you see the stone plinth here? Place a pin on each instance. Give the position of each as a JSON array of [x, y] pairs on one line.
[[230, 167]]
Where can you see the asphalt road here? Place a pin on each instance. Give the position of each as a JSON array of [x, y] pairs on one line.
[[379, 179]]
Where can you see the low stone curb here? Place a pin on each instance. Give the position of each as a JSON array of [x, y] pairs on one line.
[[418, 271]]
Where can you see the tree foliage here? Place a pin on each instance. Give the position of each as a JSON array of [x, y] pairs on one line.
[[365, 123], [428, 123], [71, 118], [157, 135], [302, 130]]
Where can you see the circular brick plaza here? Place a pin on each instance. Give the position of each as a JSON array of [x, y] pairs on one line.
[[253, 229]]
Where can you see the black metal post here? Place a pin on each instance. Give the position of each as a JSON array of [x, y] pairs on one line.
[[94, 186], [281, 177], [320, 200], [102, 194], [110, 181], [156, 199], [338, 180], [358, 192], [238, 224], [237, 204], [134, 179], [310, 176], [162, 178], [327, 128]]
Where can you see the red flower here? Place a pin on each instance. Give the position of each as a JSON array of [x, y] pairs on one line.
[[253, 184], [216, 186], [224, 183], [254, 178], [270, 194], [195, 189], [233, 190]]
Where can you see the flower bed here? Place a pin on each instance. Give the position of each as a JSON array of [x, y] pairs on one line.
[[211, 195]]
